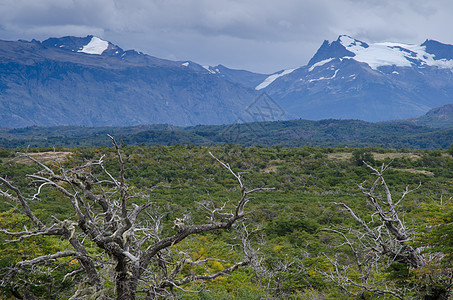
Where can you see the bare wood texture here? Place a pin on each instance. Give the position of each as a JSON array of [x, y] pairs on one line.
[[128, 236]]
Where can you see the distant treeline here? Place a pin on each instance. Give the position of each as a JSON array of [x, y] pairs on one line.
[[296, 133]]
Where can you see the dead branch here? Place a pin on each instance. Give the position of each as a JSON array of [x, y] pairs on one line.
[[128, 236], [371, 243]]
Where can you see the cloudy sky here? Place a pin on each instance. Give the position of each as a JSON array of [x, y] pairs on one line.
[[259, 35]]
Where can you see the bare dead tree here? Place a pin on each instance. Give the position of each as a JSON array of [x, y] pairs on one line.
[[129, 236], [385, 238]]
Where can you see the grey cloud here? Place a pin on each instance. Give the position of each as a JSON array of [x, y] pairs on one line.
[[261, 35]]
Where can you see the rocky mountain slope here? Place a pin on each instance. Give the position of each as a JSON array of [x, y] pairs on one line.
[[91, 82], [348, 79]]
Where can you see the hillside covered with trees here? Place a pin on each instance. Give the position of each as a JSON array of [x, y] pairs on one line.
[[294, 133]]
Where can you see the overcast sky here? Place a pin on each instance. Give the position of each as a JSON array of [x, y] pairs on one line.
[[258, 35]]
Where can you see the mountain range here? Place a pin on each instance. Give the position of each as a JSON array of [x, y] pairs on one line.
[[86, 81], [91, 82], [348, 78]]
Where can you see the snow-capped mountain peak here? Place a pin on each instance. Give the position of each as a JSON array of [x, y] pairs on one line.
[[376, 55], [88, 45], [349, 78], [349, 42], [393, 54], [346, 78], [95, 46]]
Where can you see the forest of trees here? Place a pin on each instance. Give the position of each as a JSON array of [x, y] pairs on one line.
[[224, 222]]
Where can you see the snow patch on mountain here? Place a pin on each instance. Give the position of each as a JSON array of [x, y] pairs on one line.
[[211, 69], [320, 63], [389, 54], [186, 64], [325, 78], [272, 78], [95, 46]]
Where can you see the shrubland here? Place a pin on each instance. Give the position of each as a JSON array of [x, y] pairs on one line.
[[293, 228]]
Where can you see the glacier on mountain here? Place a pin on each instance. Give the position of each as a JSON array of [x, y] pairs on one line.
[[388, 54]]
